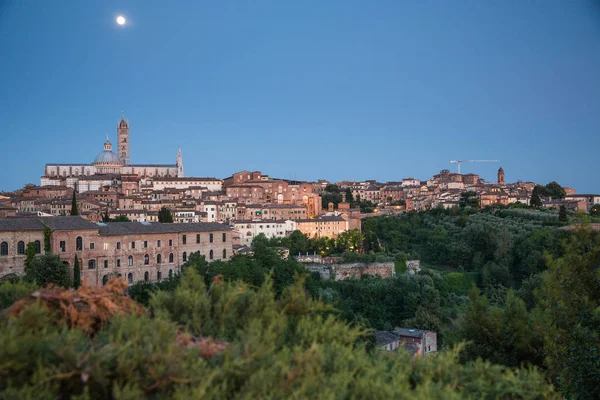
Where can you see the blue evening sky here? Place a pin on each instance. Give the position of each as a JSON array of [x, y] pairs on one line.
[[306, 89]]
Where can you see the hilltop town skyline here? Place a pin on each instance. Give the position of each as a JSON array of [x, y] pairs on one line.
[[306, 91]]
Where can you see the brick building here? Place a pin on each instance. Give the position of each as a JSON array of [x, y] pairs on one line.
[[131, 250]]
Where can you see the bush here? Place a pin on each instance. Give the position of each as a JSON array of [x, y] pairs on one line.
[[251, 346]]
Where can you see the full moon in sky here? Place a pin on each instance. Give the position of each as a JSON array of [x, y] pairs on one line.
[[121, 20]]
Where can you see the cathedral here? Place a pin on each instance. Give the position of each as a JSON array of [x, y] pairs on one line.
[[109, 164]]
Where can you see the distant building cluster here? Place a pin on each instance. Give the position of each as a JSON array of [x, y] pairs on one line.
[[245, 204]]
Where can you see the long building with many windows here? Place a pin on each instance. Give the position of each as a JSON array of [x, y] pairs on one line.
[[130, 250]]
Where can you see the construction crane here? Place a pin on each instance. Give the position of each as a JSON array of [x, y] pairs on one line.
[[462, 161]]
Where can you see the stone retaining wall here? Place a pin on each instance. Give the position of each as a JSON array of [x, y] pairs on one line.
[[353, 270]]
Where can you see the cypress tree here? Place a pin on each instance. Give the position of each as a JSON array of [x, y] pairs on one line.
[[562, 213], [76, 274], [74, 210], [165, 216]]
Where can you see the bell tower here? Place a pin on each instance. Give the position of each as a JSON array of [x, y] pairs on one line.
[[179, 164], [500, 176], [123, 140]]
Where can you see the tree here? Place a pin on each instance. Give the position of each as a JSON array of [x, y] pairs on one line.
[[536, 200], [468, 199], [29, 254], [165, 216], [74, 210], [568, 307], [562, 214], [554, 190], [76, 273], [47, 269], [47, 236], [225, 340], [349, 197]]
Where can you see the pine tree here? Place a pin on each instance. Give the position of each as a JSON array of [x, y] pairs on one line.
[[74, 210], [76, 274]]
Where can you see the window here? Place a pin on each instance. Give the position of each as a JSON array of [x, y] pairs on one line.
[[158, 258], [170, 242], [211, 255], [158, 276], [158, 243], [92, 264], [62, 246], [105, 245], [104, 280], [105, 263], [224, 236], [210, 238], [184, 256], [146, 276], [184, 239], [4, 249], [224, 253], [145, 244], [133, 245], [171, 257], [198, 238], [130, 277], [91, 246], [21, 247], [38, 247], [118, 245], [118, 262], [79, 243], [130, 261], [146, 259]]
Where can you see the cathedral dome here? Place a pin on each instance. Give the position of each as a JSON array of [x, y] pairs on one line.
[[107, 156]]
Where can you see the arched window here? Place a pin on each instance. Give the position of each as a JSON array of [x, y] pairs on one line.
[[158, 276], [130, 261], [224, 254], [79, 244], [184, 256], [130, 277], [171, 257], [38, 247], [146, 259], [158, 258], [211, 255], [104, 280], [3, 249], [21, 247], [146, 276]]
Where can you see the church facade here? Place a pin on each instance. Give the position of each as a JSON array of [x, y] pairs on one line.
[[109, 165]]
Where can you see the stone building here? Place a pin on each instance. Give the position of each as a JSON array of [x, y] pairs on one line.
[[322, 226], [249, 229], [418, 342], [500, 176], [131, 250], [108, 162]]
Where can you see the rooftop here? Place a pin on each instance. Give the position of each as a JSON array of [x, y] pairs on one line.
[[128, 228]]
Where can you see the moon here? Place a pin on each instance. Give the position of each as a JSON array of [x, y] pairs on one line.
[[121, 20]]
